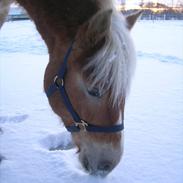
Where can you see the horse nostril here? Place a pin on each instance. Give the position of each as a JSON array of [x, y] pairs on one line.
[[105, 166], [86, 163]]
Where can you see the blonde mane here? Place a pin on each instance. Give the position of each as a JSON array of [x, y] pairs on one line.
[[114, 63]]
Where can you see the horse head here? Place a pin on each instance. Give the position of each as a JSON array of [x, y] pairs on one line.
[[97, 75]]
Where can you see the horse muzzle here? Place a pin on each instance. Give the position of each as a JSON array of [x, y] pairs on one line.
[[100, 158]]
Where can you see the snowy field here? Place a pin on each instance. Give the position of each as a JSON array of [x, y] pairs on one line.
[[153, 116]]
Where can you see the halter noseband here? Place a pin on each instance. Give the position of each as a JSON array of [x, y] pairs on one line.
[[79, 124]]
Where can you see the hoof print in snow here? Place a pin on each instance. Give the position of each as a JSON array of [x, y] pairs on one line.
[[2, 158], [62, 147], [1, 131], [13, 119], [61, 141]]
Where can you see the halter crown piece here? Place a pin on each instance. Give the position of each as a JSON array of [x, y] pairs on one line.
[[79, 124]]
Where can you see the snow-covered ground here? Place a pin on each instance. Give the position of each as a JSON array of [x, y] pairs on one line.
[[153, 116]]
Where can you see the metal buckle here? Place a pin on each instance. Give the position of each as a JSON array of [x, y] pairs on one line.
[[58, 81], [82, 125]]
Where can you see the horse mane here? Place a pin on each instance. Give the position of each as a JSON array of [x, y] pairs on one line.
[[113, 65]]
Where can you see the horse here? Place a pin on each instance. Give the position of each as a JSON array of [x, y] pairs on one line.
[[88, 77]]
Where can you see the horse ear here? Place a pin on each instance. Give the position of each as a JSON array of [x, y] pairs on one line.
[[131, 19], [98, 26]]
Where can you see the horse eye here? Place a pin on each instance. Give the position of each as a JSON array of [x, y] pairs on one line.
[[94, 92]]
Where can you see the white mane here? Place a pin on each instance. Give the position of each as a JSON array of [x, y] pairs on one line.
[[114, 63]]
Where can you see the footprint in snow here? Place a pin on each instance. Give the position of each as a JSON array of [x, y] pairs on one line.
[[13, 119], [61, 141], [2, 158], [1, 131]]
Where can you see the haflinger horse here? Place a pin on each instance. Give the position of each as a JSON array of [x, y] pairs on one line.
[[91, 64]]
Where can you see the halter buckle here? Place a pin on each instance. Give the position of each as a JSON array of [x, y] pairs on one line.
[[82, 125], [58, 81]]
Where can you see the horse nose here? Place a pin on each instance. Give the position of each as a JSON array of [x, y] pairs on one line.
[[105, 166], [102, 168], [86, 164]]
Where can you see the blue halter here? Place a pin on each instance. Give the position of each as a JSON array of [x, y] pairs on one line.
[[79, 124]]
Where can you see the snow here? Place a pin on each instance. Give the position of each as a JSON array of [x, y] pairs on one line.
[[32, 134]]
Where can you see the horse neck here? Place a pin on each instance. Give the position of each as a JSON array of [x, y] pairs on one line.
[[60, 26]]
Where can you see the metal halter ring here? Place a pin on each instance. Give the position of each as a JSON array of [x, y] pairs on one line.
[[82, 125], [58, 81]]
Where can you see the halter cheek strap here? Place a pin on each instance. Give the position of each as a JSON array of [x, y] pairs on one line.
[[79, 124]]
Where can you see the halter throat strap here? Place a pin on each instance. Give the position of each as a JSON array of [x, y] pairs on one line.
[[79, 124]]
